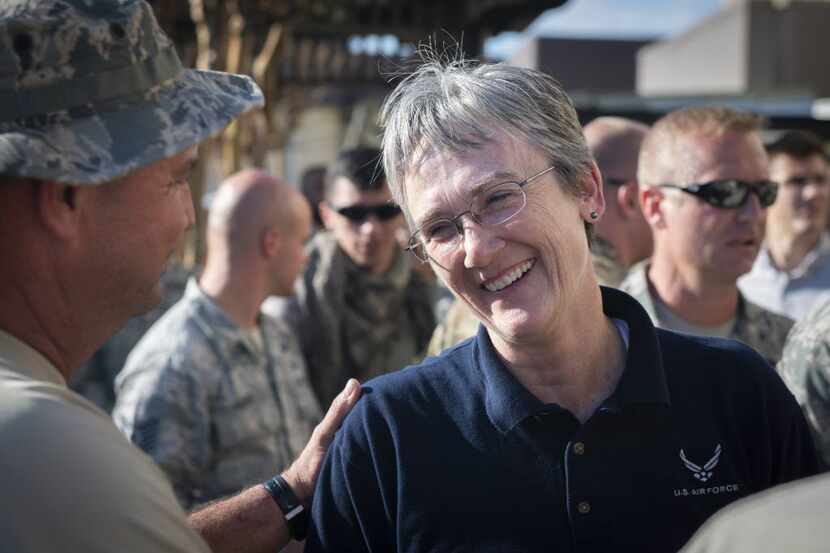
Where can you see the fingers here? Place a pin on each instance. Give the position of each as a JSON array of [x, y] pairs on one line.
[[340, 407]]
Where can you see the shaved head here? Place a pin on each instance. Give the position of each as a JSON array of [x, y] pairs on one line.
[[245, 205], [615, 143]]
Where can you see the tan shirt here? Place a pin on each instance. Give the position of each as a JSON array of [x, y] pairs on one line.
[[70, 481]]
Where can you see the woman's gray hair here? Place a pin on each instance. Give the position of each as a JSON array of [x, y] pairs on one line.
[[457, 105]]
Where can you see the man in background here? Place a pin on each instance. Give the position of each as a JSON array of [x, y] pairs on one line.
[[359, 310], [792, 272], [216, 392], [706, 190]]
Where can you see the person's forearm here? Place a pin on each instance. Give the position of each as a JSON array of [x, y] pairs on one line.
[[252, 521], [249, 522]]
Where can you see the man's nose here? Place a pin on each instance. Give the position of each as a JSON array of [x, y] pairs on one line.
[[370, 225], [752, 208]]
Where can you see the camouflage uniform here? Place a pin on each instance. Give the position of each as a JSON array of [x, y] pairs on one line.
[[354, 324], [460, 323], [213, 410], [762, 330], [96, 379], [805, 367]]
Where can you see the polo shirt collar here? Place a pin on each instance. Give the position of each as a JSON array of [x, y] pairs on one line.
[[508, 403]]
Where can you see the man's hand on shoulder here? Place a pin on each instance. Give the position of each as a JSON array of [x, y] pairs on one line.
[[252, 519]]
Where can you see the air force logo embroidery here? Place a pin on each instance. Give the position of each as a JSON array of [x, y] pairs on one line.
[[703, 473]]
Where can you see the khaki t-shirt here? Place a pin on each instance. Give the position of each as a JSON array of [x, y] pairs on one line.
[[70, 480]]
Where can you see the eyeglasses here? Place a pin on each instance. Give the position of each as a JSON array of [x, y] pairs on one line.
[[359, 213], [491, 206], [730, 193]]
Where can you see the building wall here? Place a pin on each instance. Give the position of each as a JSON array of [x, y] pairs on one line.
[[584, 65], [790, 47], [758, 47], [708, 59]]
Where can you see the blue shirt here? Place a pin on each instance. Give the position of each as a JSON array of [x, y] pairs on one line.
[[456, 455], [792, 293]]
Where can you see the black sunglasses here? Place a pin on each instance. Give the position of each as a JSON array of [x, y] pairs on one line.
[[730, 193], [359, 213]]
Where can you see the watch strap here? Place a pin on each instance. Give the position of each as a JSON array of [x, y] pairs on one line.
[[296, 515]]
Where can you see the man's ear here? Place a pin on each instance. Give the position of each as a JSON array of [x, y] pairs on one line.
[[653, 202], [628, 200], [270, 241], [326, 215], [57, 207]]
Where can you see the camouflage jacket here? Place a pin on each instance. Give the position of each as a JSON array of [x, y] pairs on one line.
[[805, 367], [354, 324], [460, 323], [762, 330], [216, 412]]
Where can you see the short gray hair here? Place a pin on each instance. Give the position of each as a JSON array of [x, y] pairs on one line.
[[458, 105]]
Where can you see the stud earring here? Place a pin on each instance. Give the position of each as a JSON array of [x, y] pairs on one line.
[[594, 215]]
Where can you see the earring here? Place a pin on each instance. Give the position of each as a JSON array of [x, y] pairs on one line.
[[594, 215]]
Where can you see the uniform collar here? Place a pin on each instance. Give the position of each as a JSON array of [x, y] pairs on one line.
[[508, 403]]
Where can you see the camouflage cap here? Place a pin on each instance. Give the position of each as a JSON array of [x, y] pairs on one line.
[[93, 89]]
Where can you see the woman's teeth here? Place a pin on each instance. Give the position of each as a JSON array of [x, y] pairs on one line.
[[509, 278]]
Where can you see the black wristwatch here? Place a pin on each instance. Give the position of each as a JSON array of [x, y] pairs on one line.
[[296, 516]]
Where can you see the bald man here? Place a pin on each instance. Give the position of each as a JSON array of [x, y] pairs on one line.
[[217, 393], [622, 237]]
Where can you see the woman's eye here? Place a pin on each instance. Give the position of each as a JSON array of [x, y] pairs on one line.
[[440, 231]]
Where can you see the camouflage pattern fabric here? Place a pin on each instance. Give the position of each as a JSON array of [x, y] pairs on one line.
[[609, 271], [352, 323], [214, 411], [90, 91], [460, 323], [96, 379], [762, 330], [805, 367]]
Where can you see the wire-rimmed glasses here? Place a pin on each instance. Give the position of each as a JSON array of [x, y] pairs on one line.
[[491, 206]]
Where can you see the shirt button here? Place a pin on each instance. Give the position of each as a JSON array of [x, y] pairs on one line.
[[584, 507], [579, 448]]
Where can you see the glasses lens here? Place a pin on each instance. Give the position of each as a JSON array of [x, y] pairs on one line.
[[416, 246], [355, 213], [386, 212], [359, 213], [726, 194], [732, 194], [497, 204], [767, 192]]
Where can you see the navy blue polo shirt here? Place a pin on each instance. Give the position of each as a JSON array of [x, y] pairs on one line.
[[456, 455]]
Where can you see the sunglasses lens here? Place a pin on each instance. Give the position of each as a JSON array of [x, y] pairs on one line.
[[386, 212], [732, 194], [359, 213], [767, 192], [727, 194], [356, 213]]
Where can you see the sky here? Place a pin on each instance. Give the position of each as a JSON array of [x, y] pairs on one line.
[[610, 19]]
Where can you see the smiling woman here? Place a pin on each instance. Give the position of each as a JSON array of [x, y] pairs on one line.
[[563, 424]]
